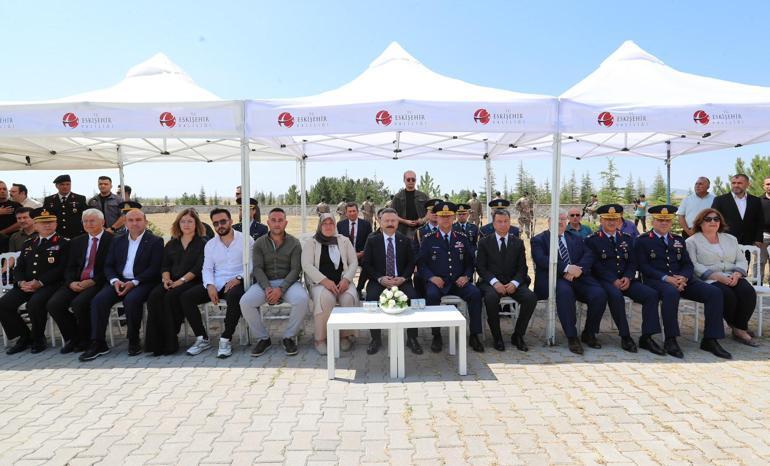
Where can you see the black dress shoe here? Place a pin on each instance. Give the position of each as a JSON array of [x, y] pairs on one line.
[[374, 346], [261, 346], [414, 345], [672, 348], [590, 340], [134, 348], [646, 342], [574, 345], [96, 349], [22, 343], [39, 346], [498, 344], [519, 343], [712, 346], [69, 347], [475, 343], [627, 343], [437, 344]]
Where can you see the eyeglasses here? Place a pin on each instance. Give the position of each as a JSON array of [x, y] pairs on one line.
[[574, 215], [411, 179], [220, 222], [711, 219]]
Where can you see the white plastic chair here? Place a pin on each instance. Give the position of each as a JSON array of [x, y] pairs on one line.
[[460, 304], [763, 292], [213, 311], [6, 282], [116, 318]]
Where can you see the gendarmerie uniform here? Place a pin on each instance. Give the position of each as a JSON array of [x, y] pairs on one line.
[[44, 260], [489, 229], [68, 210]]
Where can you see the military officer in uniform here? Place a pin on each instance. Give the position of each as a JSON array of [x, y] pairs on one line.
[[475, 214], [367, 209], [614, 268], [256, 229], [38, 273], [464, 225], [431, 225], [446, 264], [666, 267], [322, 207], [67, 207], [489, 228]]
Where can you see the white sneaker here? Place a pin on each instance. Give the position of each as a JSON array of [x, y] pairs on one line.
[[225, 348], [199, 346]]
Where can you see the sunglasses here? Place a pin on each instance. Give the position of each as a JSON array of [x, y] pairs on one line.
[[711, 219], [574, 215], [220, 222], [411, 179]]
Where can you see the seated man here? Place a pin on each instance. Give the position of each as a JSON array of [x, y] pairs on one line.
[[222, 277], [666, 267], [83, 278], [25, 232], [574, 226], [615, 269], [489, 229], [256, 229], [502, 267], [464, 226], [574, 282], [357, 230], [446, 265], [39, 272], [277, 265], [389, 261], [132, 269]]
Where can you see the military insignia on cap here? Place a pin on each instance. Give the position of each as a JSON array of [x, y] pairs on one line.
[[611, 210]]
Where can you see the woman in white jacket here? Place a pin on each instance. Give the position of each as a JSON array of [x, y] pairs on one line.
[[330, 265], [719, 261]]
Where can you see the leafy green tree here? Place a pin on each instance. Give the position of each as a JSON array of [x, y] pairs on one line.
[[428, 185], [757, 170], [629, 193], [719, 187], [201, 197], [609, 192], [658, 189], [586, 188], [292, 196]]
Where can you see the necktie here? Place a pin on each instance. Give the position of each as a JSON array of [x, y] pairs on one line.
[[563, 252], [448, 244], [502, 245], [353, 233], [463, 227], [89, 268], [664, 240], [612, 241], [390, 259]]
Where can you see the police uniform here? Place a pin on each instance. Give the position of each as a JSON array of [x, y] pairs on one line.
[[614, 260], [468, 229], [256, 229], [450, 260], [662, 256], [42, 260], [68, 210], [489, 229]]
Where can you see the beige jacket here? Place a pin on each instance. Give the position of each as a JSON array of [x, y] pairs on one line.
[[707, 261], [311, 258]]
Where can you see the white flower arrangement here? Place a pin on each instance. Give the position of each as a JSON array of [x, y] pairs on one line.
[[393, 299]]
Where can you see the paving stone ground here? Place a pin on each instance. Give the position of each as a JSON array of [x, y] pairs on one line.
[[546, 406]]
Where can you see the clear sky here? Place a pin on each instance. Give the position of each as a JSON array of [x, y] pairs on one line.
[[252, 49]]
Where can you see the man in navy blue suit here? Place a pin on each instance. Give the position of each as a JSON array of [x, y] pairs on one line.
[[489, 228], [357, 230], [574, 282], [132, 269]]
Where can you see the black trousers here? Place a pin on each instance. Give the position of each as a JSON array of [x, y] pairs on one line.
[[527, 300], [643, 220], [196, 295], [739, 303], [11, 320], [164, 318], [76, 325], [373, 291], [133, 306]]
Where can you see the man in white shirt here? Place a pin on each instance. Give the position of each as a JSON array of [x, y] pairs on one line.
[[693, 204], [132, 269], [222, 279], [19, 194]]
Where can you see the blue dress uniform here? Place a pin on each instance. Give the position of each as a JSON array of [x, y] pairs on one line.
[[660, 256], [450, 260], [614, 259], [489, 229], [68, 210], [42, 259], [468, 229], [256, 228]]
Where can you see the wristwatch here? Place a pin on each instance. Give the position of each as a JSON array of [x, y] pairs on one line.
[[238, 277], [182, 279]]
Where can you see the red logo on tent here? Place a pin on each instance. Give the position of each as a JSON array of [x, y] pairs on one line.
[[606, 119], [701, 117], [481, 116], [286, 120], [383, 118], [70, 120], [167, 119]]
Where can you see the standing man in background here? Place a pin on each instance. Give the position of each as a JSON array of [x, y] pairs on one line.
[[475, 215], [693, 204], [410, 205], [20, 195], [67, 206], [107, 203]]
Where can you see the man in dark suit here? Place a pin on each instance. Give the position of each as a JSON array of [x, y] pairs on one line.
[[496, 204], [389, 261], [357, 230], [38, 273], [446, 265], [666, 267], [256, 229], [743, 212], [574, 283], [502, 267], [67, 206], [132, 270], [83, 279]]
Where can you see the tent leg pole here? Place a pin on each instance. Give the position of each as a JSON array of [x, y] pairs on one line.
[[554, 237], [668, 172], [488, 169], [303, 190], [245, 208], [121, 176]]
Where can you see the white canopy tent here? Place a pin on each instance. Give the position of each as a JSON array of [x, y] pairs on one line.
[[400, 109]]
